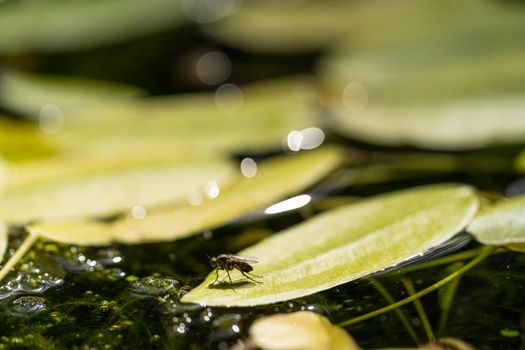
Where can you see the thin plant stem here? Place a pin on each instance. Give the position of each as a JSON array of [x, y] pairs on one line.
[[448, 259], [449, 292], [409, 286], [399, 312], [19, 254], [483, 254]]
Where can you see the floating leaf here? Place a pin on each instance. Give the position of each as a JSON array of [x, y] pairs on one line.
[[3, 240], [22, 141], [99, 185], [27, 93], [345, 244], [502, 224], [99, 116], [465, 124], [275, 179], [55, 25], [274, 26], [459, 86], [196, 121], [303, 330]]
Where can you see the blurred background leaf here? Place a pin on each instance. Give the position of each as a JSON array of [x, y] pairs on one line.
[[57, 25]]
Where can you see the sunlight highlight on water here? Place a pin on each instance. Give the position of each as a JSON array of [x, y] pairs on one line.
[[289, 204], [305, 139], [248, 167]]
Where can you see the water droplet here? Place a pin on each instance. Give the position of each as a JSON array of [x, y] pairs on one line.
[[226, 326], [248, 167], [153, 285], [115, 274], [25, 306]]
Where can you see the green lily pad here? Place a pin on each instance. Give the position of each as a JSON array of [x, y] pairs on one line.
[[103, 185], [240, 119], [57, 25], [502, 224], [458, 86], [275, 179], [345, 244], [274, 26], [27, 93], [20, 141]]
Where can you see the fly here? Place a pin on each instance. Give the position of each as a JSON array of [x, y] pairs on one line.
[[229, 262]]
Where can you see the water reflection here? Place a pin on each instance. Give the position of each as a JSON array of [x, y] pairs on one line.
[[212, 190], [248, 167], [289, 204], [304, 139]]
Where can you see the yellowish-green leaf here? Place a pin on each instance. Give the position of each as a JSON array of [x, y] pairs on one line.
[[55, 25], [305, 26], [274, 26], [22, 141], [230, 121], [463, 124], [459, 86], [302, 330], [239, 120], [27, 93], [275, 179], [502, 224], [102, 185], [345, 244], [3, 240]]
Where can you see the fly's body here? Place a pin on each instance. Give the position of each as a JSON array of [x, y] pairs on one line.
[[230, 262]]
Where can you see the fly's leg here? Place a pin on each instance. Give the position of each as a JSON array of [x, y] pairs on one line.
[[216, 278], [229, 277], [231, 283], [251, 279]]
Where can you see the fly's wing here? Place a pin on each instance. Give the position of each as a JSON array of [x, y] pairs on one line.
[[246, 259]]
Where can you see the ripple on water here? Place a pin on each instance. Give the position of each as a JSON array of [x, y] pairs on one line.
[[30, 281], [27, 306], [153, 285], [226, 327]]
